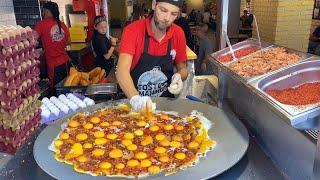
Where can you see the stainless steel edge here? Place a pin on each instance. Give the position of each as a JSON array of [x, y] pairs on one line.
[[238, 46]]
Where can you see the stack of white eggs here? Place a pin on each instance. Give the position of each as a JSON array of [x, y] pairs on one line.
[[55, 108]]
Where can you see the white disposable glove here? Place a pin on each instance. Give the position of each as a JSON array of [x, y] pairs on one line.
[[141, 103], [176, 84]]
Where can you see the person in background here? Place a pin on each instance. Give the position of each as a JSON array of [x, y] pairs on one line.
[[314, 42], [183, 23], [145, 10], [137, 13], [130, 19], [246, 19], [192, 16], [202, 64], [54, 35], [103, 47], [150, 51], [206, 16], [198, 17]]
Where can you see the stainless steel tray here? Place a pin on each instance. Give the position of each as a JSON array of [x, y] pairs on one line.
[[231, 137], [97, 89], [239, 46], [295, 75], [304, 56]]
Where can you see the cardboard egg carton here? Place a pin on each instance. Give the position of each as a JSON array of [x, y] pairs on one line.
[[16, 60], [6, 94], [26, 123], [20, 113], [15, 122], [11, 141], [15, 103], [27, 69], [11, 35], [28, 101]]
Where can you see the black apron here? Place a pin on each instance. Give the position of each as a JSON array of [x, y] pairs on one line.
[[152, 75]]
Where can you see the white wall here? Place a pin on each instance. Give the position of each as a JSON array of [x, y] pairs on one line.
[[7, 16]]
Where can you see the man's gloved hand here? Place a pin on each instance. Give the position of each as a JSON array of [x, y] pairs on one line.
[[176, 84], [141, 103]]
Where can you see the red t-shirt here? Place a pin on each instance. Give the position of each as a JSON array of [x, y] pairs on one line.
[[132, 41], [53, 42]]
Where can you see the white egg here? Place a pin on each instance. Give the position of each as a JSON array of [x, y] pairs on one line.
[[59, 105], [62, 97], [45, 99], [45, 114], [87, 101], [82, 104], [65, 109], [53, 98], [55, 111], [44, 108], [70, 95], [50, 105], [73, 106]]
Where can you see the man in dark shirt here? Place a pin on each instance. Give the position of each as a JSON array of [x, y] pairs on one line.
[[202, 64], [103, 47], [246, 19], [183, 23], [314, 42]]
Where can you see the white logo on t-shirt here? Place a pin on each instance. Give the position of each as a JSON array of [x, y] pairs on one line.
[[173, 53], [152, 83], [55, 34]]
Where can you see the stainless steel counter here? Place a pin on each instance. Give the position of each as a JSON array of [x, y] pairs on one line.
[[292, 150]]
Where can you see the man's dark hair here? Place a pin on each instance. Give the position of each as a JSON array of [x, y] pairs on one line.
[[99, 19]]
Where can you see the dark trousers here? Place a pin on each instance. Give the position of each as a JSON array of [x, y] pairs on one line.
[[61, 72], [107, 65]]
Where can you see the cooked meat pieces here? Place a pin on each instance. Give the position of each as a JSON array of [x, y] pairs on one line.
[[261, 63]]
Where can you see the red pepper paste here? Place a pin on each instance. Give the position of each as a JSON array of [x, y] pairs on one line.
[[238, 54], [305, 94]]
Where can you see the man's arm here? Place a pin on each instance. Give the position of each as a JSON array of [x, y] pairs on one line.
[[182, 70], [109, 53], [113, 42], [313, 38], [124, 77], [315, 35], [205, 58], [208, 49]]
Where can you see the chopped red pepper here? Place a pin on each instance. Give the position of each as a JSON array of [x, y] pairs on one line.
[[305, 94], [238, 54]]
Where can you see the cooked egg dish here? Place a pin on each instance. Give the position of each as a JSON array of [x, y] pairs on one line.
[[116, 142]]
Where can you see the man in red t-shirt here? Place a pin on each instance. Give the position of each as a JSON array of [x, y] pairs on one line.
[[55, 36], [150, 51]]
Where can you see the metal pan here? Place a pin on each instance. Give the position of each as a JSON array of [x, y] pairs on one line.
[[303, 57], [293, 76], [230, 135], [107, 88], [239, 46]]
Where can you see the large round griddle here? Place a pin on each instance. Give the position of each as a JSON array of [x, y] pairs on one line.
[[231, 137]]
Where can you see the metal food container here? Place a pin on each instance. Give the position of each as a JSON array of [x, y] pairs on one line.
[[249, 43], [293, 76], [96, 89], [280, 131], [303, 57], [102, 92]]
